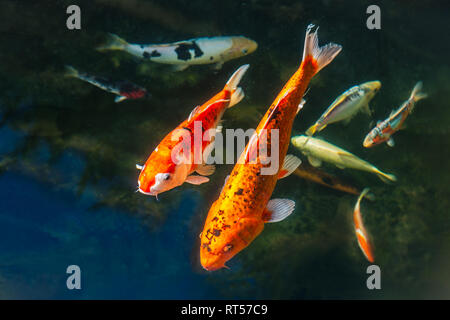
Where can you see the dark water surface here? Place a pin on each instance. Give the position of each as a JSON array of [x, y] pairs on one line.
[[68, 152]]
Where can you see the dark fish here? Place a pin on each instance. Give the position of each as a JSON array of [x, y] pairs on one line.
[[123, 89]]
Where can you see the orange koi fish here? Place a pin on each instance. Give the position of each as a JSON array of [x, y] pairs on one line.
[[361, 234], [243, 207], [167, 168]]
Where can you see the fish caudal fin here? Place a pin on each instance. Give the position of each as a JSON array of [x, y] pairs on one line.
[[386, 177], [312, 130], [321, 56], [237, 94], [364, 193], [416, 95], [71, 72], [114, 42]]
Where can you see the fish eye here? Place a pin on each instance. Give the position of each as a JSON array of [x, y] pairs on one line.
[[244, 51], [167, 176]]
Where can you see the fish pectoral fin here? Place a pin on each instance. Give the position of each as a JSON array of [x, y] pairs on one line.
[[347, 121], [290, 163], [278, 210], [390, 142], [205, 169], [119, 99], [196, 180], [368, 110], [314, 161], [179, 67]]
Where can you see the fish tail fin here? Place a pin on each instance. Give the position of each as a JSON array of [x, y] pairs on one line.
[[237, 94], [113, 42], [416, 95], [318, 56], [312, 130], [71, 72], [386, 177], [365, 193]]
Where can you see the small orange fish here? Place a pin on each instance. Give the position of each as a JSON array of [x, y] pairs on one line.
[[161, 172], [243, 207], [361, 233]]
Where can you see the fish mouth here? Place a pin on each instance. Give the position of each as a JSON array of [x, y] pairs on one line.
[[367, 143], [151, 193], [212, 263]]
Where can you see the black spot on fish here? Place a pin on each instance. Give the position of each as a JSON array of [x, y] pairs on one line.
[[328, 181], [239, 192], [183, 51], [146, 55], [216, 232], [155, 54], [211, 58]]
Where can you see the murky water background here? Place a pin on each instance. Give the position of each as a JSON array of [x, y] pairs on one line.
[[68, 153]]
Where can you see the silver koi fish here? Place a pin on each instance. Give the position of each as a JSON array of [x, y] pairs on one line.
[[347, 105], [318, 150]]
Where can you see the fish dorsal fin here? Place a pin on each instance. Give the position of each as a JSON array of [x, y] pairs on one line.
[[226, 180], [193, 112], [198, 109], [300, 106], [278, 210], [290, 163], [314, 161]]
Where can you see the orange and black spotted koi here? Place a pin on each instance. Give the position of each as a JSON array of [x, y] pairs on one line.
[[238, 216]]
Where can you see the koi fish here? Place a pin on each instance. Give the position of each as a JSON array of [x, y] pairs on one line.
[[384, 130], [347, 105], [318, 150], [238, 216], [123, 89], [361, 234], [182, 54], [167, 167], [323, 178]]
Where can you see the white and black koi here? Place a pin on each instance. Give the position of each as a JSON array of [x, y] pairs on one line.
[[182, 54], [123, 89]]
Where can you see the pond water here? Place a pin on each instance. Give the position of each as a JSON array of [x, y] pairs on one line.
[[68, 152]]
